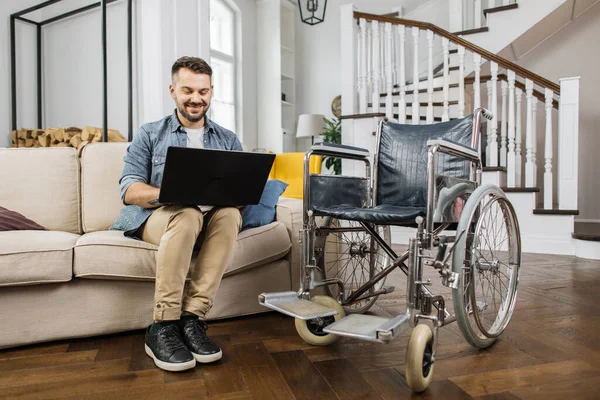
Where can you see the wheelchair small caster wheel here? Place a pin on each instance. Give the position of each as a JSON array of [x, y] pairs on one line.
[[419, 366], [311, 331]]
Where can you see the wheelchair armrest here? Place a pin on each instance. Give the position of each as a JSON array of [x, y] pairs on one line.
[[339, 150], [454, 148]]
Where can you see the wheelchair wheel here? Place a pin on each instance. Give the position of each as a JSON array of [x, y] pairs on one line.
[[419, 366], [311, 330], [352, 255], [488, 259]]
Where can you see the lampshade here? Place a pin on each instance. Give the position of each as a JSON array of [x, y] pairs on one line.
[[310, 125], [312, 12]]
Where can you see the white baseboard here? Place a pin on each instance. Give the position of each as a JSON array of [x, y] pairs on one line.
[[587, 249]]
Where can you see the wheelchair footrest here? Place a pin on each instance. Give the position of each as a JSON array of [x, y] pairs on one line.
[[289, 303], [369, 327]]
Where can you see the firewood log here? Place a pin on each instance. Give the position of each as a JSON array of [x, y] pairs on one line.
[[81, 146], [88, 133], [21, 142], [61, 144], [29, 142], [75, 140], [44, 139], [22, 134], [36, 144]]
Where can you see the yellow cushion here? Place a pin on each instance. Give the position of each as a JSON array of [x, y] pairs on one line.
[[289, 167]]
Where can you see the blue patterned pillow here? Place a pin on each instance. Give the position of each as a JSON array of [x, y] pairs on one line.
[[264, 212]]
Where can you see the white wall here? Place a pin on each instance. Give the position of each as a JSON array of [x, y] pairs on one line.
[[26, 42], [72, 69], [573, 51], [318, 54]]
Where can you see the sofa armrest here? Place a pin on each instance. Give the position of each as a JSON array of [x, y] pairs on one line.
[[289, 212]]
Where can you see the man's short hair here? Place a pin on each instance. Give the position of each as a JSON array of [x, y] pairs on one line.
[[194, 64]]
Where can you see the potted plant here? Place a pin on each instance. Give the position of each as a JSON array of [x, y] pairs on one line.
[[332, 133]]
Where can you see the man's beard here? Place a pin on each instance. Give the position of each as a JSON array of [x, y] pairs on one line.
[[193, 118]]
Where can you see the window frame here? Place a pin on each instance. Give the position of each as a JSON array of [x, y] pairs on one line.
[[234, 60]]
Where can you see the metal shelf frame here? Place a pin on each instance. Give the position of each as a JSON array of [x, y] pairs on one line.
[[19, 16]]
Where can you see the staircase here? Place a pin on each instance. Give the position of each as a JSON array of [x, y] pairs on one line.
[[415, 72]]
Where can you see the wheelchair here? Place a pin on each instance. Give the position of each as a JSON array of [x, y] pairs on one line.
[[427, 177]]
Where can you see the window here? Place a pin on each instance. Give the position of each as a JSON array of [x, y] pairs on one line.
[[223, 61]]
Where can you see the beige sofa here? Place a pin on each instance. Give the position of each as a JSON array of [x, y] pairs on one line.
[[80, 279]]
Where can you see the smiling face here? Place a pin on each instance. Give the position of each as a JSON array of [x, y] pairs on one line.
[[192, 93]]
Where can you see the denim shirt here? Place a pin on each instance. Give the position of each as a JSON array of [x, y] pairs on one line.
[[146, 156]]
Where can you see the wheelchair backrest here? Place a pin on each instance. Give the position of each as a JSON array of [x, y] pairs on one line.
[[401, 164]]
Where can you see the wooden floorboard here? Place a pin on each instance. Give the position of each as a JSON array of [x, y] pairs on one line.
[[550, 350]]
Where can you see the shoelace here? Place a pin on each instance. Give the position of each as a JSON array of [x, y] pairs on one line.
[[171, 339], [199, 329]]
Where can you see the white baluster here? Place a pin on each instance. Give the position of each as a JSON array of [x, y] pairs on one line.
[[402, 105], [518, 139], [376, 68], [529, 163], [534, 105], [362, 70], [477, 82], [430, 78], [461, 81], [503, 134], [477, 11], [446, 113], [394, 57], [568, 144], [369, 58], [548, 94], [511, 157], [488, 132], [494, 121], [389, 105], [416, 116]]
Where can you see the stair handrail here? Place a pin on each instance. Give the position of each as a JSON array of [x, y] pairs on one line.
[[539, 80]]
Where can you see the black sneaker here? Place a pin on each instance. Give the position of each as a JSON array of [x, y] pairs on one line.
[[167, 349], [194, 337]]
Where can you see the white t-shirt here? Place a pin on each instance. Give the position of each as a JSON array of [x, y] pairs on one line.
[[195, 139]]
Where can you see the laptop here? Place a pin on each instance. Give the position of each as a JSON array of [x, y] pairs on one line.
[[214, 177]]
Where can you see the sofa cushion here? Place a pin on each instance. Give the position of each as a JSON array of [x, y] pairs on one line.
[[101, 169], [111, 255], [32, 257], [43, 185]]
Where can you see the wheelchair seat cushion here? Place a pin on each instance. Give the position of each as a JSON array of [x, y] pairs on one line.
[[384, 214]]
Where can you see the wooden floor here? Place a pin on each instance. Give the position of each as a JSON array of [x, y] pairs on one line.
[[551, 350]]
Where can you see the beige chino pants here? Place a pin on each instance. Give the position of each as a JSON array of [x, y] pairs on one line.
[[177, 231]]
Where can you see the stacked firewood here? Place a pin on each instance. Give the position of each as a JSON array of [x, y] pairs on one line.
[[62, 137]]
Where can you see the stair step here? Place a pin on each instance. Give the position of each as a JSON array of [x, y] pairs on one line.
[[521, 190], [369, 327], [422, 104], [543, 211], [288, 303], [411, 92], [587, 231], [494, 169], [499, 9], [472, 31], [422, 118]]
